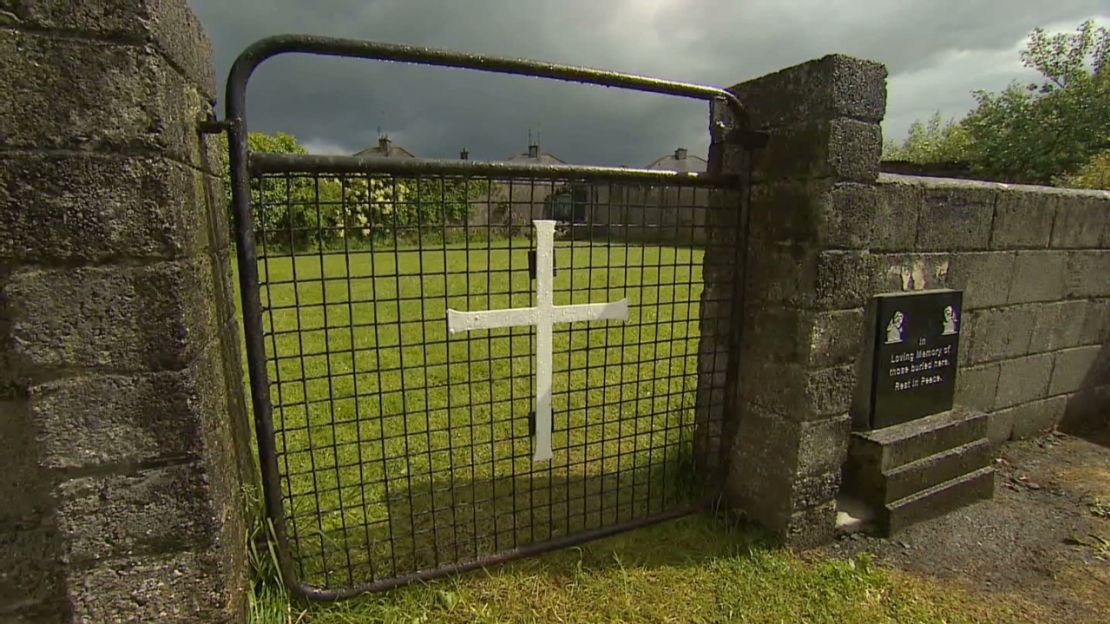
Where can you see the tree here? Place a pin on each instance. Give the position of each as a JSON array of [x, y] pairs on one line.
[[1066, 60], [1037, 133], [1043, 131], [936, 141]]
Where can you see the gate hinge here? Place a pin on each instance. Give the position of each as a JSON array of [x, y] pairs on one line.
[[532, 423], [532, 265], [726, 127]]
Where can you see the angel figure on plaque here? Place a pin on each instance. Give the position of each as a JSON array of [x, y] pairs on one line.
[[894, 328], [949, 321]]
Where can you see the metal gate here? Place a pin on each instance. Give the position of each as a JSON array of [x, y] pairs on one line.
[[403, 434]]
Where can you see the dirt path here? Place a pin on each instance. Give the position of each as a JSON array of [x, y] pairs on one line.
[[1044, 540]]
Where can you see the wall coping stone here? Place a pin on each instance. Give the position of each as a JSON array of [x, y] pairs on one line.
[[896, 178]]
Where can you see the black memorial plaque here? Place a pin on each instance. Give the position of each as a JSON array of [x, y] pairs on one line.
[[913, 371]]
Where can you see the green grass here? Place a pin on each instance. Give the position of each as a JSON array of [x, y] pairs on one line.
[[431, 446], [698, 569], [404, 449]]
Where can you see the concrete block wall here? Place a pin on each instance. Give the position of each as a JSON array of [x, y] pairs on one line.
[[1034, 264], [671, 215], [674, 214], [828, 232], [121, 398]]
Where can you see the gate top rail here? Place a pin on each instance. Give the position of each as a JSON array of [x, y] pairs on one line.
[[263, 49]]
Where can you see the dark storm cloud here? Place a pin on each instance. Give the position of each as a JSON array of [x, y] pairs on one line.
[[937, 52]]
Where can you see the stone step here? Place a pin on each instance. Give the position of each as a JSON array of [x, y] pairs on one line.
[[937, 500], [935, 469], [884, 450]]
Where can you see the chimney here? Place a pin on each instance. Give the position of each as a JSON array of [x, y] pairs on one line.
[[533, 150], [383, 144], [680, 153], [464, 155]]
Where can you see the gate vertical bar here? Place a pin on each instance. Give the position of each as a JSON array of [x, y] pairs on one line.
[[238, 150], [724, 267]]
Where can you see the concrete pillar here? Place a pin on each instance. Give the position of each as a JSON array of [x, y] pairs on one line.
[[789, 411], [121, 397]]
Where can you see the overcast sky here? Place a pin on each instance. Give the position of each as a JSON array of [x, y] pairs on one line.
[[937, 53]]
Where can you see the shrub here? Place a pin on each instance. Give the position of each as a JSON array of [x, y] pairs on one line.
[[1093, 175]]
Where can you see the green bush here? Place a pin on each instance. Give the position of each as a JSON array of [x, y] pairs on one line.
[[1093, 175], [384, 207], [303, 211]]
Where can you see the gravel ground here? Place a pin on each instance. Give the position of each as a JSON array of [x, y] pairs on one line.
[[1044, 540]]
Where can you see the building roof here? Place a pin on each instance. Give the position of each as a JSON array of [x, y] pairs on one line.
[[534, 155], [680, 160], [385, 147]]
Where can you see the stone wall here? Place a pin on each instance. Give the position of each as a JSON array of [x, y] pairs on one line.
[[1034, 265], [121, 401], [827, 232]]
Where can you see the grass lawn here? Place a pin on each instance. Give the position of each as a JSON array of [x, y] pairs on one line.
[[402, 448], [698, 569], [397, 456]]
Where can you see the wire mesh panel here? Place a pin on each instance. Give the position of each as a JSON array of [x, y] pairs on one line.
[[403, 449]]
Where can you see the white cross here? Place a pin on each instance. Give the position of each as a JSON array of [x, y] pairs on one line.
[[543, 316]]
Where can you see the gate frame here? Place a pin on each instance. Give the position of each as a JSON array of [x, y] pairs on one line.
[[729, 127]]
